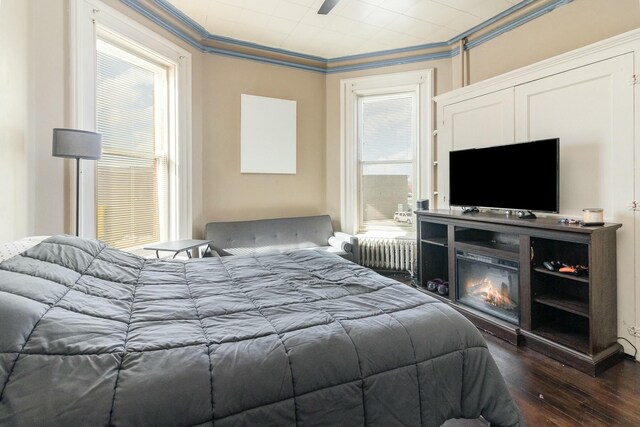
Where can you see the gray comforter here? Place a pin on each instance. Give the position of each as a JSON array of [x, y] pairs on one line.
[[94, 336]]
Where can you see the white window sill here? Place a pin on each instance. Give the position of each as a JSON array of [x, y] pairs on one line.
[[387, 234]]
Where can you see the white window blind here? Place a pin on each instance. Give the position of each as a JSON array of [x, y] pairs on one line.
[[132, 176], [387, 159]]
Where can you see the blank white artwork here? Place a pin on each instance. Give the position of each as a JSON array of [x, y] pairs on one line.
[[267, 135]]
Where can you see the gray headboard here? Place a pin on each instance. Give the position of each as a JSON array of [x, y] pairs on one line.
[[268, 235]]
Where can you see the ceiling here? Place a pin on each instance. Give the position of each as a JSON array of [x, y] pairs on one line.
[[353, 26]]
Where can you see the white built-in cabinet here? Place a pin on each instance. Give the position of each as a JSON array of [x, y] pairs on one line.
[[589, 99], [481, 121]]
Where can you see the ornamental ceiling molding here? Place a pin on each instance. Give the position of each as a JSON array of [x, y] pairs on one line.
[[173, 20]]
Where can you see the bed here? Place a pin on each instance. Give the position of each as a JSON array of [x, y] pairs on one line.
[[90, 335]]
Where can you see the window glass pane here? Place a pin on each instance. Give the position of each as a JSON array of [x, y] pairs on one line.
[[127, 201], [131, 176], [124, 104], [387, 128], [387, 194]]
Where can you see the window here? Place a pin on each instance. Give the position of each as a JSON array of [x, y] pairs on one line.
[[132, 175], [133, 86], [386, 151]]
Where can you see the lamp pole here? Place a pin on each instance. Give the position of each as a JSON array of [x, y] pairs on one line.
[[77, 196]]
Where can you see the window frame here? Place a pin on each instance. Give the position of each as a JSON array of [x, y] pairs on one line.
[[384, 95], [162, 76], [421, 83], [87, 18]]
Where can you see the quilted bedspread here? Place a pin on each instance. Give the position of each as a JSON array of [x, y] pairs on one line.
[[90, 335]]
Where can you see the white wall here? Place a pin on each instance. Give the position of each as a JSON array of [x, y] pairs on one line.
[[32, 102], [14, 65], [48, 206]]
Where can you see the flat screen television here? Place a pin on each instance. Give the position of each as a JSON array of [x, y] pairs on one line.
[[523, 176]]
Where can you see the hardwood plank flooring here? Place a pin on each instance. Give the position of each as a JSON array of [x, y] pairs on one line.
[[552, 394], [549, 393]]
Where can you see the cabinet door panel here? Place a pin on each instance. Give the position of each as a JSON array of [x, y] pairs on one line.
[[591, 110], [479, 122]]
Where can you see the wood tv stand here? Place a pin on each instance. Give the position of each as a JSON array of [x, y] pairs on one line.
[[571, 318]]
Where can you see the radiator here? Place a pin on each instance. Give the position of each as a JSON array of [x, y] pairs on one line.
[[388, 254]]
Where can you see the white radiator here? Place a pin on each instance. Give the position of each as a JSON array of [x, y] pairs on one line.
[[388, 254]]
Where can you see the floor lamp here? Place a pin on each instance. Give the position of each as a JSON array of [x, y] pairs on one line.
[[77, 144]]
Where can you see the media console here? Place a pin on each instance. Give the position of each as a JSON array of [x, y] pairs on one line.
[[497, 279]]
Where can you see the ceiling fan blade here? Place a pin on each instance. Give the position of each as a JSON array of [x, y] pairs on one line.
[[327, 6]]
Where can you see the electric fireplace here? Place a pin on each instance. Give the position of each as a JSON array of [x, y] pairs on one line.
[[489, 284]]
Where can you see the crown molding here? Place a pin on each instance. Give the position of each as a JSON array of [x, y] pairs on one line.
[[167, 16], [621, 44]]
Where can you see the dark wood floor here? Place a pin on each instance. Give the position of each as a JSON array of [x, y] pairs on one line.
[[552, 394], [549, 393]]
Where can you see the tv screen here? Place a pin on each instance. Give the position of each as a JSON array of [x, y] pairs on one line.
[[522, 176]]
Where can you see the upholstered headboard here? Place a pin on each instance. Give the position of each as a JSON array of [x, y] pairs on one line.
[[268, 235]]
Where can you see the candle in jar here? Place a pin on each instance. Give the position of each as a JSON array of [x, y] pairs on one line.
[[593, 216]]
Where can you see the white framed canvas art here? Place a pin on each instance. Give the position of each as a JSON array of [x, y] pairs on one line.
[[267, 135]]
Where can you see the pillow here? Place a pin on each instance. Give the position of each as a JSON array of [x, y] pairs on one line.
[[340, 244], [11, 249]]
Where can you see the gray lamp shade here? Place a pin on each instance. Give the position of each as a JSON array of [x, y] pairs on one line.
[[77, 144]]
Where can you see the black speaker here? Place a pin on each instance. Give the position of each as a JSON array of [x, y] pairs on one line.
[[422, 205]]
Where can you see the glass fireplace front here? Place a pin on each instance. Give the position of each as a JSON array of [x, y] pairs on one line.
[[489, 284]]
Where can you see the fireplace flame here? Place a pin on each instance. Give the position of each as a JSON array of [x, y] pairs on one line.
[[497, 296]]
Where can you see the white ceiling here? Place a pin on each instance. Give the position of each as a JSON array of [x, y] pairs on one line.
[[352, 27]]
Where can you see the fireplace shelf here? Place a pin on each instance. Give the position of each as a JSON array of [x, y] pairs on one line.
[[563, 302], [494, 266], [583, 279], [438, 241]]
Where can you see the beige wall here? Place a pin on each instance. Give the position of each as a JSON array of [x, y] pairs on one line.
[[14, 65], [569, 27], [32, 102], [35, 192], [229, 195], [48, 59]]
